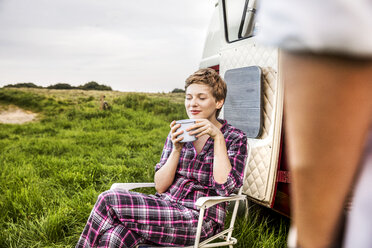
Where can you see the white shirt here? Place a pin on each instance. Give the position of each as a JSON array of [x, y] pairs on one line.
[[333, 26]]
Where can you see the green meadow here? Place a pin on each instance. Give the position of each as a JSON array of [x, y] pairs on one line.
[[53, 169]]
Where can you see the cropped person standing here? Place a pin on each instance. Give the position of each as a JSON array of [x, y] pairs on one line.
[[210, 166], [327, 70]]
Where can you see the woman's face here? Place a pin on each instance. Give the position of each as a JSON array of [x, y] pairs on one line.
[[200, 103]]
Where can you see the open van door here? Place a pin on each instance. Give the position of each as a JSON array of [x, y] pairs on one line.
[[254, 102]]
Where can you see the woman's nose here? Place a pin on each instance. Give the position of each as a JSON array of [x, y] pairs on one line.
[[193, 102]]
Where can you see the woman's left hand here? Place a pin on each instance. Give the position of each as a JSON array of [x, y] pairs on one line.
[[204, 126]]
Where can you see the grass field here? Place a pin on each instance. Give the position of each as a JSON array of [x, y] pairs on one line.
[[53, 169]]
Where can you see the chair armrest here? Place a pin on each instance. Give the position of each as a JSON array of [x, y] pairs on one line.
[[209, 201], [129, 186]]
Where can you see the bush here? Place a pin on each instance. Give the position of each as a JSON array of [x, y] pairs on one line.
[[94, 86], [61, 86], [177, 90], [22, 85]]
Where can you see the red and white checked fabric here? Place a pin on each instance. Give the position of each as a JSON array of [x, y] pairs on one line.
[[123, 218]]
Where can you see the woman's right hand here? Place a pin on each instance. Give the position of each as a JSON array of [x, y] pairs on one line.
[[175, 136]]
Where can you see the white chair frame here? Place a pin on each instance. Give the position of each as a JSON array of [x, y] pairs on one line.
[[204, 203]]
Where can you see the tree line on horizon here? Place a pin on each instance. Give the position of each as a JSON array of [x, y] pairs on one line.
[[63, 86]]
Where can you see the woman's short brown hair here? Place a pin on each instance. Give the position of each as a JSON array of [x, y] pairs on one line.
[[210, 77]]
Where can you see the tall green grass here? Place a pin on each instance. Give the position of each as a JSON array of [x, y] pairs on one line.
[[52, 170]]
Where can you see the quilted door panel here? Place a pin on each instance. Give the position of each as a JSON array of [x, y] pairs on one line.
[[262, 167]]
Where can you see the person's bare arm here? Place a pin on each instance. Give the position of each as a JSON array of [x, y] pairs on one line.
[[328, 107], [165, 175], [221, 162]]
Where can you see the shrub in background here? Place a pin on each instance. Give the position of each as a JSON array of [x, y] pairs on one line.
[[177, 90], [61, 86], [22, 85], [94, 86]]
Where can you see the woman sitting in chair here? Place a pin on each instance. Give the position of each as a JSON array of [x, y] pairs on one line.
[[210, 166]]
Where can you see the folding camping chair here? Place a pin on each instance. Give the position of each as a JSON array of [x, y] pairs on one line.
[[203, 203]]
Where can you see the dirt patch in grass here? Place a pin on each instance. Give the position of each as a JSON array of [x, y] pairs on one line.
[[15, 115]]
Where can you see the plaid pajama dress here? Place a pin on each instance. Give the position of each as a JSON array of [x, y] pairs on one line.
[[123, 218]]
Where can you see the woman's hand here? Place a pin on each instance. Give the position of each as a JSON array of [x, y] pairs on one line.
[[204, 126], [175, 136]]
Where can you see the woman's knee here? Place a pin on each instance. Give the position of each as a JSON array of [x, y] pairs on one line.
[[106, 196], [113, 197]]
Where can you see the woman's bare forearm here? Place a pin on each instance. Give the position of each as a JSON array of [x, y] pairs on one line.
[[221, 164], [165, 175]]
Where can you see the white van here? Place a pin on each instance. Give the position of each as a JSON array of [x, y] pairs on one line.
[[255, 97]]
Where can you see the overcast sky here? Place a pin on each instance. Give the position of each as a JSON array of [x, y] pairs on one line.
[[139, 45]]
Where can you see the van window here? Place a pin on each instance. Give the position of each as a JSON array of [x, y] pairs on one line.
[[239, 19]]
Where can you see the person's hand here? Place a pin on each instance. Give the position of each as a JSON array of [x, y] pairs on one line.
[[175, 136], [204, 126]]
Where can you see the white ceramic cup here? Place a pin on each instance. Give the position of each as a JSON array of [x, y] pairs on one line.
[[184, 125]]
